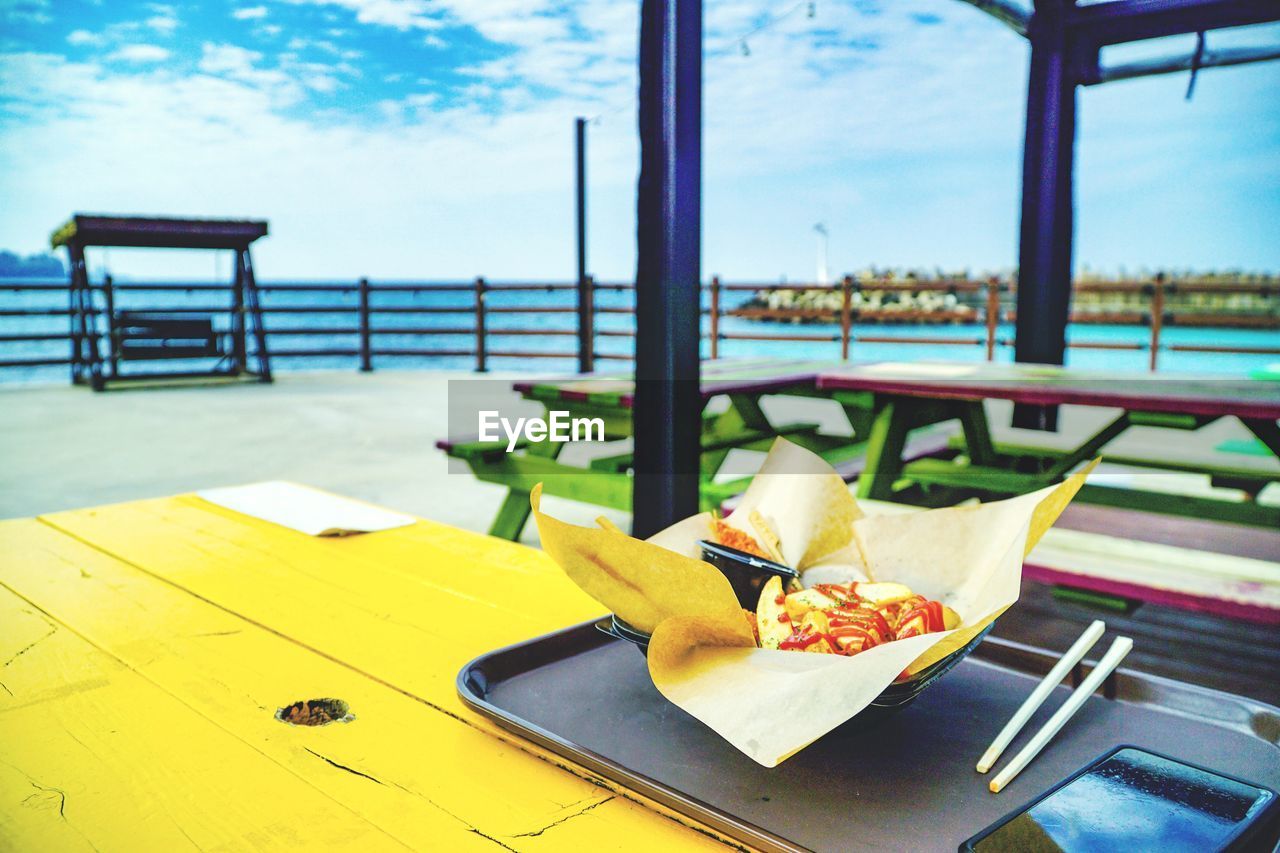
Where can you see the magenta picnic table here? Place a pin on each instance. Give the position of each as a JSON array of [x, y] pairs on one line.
[[906, 396]]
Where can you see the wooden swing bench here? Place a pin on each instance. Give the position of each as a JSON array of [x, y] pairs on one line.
[[146, 336], [239, 348]]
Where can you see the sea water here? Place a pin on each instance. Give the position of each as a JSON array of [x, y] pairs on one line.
[[506, 333]]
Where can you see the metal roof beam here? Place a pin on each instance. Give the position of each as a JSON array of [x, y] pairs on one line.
[[1174, 64], [1121, 21], [1006, 12]]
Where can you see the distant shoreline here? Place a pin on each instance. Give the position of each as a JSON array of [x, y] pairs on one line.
[[1251, 304]]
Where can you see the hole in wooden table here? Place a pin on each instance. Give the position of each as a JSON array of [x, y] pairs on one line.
[[315, 712]]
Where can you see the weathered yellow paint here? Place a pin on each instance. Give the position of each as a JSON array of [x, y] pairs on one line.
[[93, 756], [438, 778], [412, 608]]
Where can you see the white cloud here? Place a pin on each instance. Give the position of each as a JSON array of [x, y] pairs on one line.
[[216, 143], [524, 30], [26, 11], [139, 53], [322, 83], [400, 14], [250, 13], [229, 59], [163, 24], [278, 86], [164, 20], [84, 37]]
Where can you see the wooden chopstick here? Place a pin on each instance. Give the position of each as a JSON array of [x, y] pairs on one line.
[[1105, 667], [1073, 656]]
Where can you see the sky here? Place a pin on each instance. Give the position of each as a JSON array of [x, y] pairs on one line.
[[432, 139]]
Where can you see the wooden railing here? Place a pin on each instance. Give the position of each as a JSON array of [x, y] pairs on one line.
[[369, 321], [991, 304]]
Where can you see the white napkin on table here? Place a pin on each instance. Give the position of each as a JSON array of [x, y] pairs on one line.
[[304, 509]]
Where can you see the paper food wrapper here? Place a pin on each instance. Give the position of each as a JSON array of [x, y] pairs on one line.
[[801, 500], [771, 703]]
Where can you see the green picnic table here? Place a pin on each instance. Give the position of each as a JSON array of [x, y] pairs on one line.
[[742, 424], [906, 396]]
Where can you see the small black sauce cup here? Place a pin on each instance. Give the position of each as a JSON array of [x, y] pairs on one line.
[[747, 573]]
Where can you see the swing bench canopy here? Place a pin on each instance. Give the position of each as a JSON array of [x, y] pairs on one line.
[[158, 232]]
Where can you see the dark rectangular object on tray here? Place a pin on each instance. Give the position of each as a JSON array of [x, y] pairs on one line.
[[886, 780]]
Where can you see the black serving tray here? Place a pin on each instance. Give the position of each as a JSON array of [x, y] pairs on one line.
[[896, 781]]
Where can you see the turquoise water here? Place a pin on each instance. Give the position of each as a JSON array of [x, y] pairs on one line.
[[505, 333]]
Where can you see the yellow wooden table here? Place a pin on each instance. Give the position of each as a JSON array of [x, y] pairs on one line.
[[145, 647]]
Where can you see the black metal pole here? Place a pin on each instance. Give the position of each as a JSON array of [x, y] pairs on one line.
[[1044, 256], [91, 354], [113, 342], [586, 345], [77, 309], [366, 350], [239, 346], [667, 416]]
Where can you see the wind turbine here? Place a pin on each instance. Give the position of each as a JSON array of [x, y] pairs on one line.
[[824, 276]]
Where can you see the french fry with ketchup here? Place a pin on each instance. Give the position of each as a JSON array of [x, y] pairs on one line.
[[764, 544], [846, 619]]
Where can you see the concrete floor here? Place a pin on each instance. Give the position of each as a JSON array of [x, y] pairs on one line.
[[370, 436], [367, 436]]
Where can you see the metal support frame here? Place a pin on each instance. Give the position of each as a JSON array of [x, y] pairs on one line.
[[586, 320], [667, 400], [1066, 42], [86, 357], [254, 310], [1044, 256], [239, 343], [1120, 21]]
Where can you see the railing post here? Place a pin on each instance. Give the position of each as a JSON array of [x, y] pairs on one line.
[[1157, 318], [73, 315], [586, 306], [586, 324], [715, 316], [239, 344], [366, 351], [846, 315], [993, 315], [113, 335], [481, 356]]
